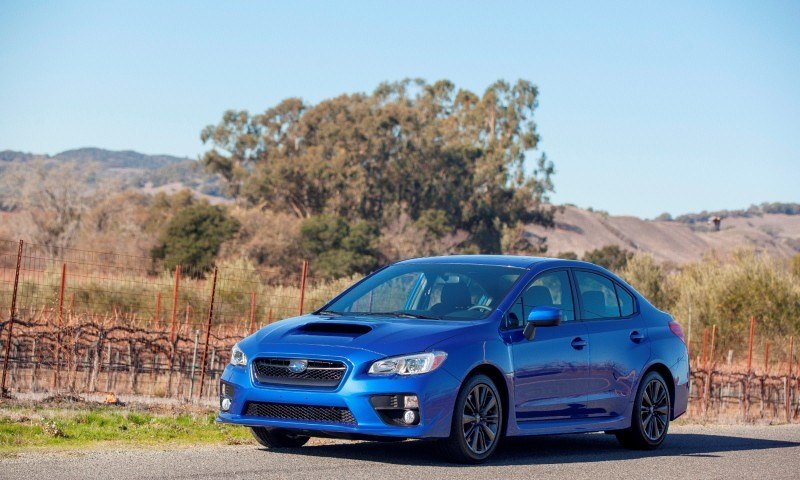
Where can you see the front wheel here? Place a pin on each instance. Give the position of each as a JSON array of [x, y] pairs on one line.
[[277, 438], [477, 422], [650, 417]]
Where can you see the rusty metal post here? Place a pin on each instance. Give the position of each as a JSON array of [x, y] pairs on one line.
[[303, 275], [252, 327], [269, 317], [208, 332], [766, 358], [3, 390], [713, 343]]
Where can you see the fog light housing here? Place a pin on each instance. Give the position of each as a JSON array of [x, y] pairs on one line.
[[399, 410], [225, 404], [409, 417]]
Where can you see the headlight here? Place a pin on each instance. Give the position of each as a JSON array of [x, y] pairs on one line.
[[408, 364], [237, 356]]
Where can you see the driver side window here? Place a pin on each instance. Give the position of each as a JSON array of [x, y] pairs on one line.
[[551, 289]]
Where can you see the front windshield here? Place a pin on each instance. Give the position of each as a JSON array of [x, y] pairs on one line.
[[429, 290]]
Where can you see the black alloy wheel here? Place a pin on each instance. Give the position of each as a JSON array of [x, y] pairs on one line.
[[650, 416]]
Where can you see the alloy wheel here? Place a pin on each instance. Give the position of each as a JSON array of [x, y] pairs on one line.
[[481, 419], [654, 410]]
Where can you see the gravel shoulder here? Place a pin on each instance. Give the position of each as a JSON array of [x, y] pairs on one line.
[[689, 452]]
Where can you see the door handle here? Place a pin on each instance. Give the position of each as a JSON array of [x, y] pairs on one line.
[[579, 343], [637, 336]]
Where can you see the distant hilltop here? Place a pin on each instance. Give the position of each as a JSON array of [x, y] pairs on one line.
[[151, 173], [770, 227], [108, 158]]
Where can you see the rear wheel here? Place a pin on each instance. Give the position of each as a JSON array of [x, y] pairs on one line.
[[277, 438], [477, 422], [650, 416]]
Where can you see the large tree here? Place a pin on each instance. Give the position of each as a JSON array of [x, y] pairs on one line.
[[429, 151]]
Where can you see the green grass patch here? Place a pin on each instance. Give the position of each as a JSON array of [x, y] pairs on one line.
[[86, 426]]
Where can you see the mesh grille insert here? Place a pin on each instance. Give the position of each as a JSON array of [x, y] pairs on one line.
[[319, 373], [287, 411]]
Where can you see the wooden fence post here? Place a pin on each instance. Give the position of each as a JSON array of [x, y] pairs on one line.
[[749, 367], [788, 388], [157, 321], [208, 332], [3, 390], [172, 325], [252, 327], [174, 319], [60, 332]]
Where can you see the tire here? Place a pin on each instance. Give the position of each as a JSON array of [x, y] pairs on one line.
[[477, 424], [650, 416], [277, 438]]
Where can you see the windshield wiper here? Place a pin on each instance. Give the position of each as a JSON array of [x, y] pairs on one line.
[[414, 315], [398, 314], [329, 312]]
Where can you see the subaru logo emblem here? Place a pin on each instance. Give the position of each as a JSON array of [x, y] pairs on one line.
[[298, 366]]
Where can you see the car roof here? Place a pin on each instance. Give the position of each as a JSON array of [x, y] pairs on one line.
[[519, 261]]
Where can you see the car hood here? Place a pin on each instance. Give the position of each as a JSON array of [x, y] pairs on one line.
[[381, 335]]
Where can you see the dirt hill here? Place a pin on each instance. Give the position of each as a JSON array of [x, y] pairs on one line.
[[579, 230]]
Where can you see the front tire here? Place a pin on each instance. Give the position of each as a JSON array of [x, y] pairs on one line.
[[277, 438], [650, 416], [477, 422]]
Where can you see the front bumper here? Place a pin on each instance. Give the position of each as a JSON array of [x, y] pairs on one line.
[[436, 391]]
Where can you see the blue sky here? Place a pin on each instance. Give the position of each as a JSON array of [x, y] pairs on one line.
[[645, 107]]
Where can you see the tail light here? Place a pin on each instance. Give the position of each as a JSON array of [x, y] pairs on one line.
[[675, 328]]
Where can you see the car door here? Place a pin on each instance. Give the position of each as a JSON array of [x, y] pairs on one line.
[[620, 347], [550, 370]]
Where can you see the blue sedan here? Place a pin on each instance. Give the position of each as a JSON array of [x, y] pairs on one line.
[[465, 350]]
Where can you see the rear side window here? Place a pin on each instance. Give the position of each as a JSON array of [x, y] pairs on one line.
[[626, 307], [598, 296]]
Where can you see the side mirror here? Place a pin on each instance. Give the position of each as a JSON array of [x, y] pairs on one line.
[[541, 317]]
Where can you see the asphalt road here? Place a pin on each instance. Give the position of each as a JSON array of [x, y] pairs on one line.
[[689, 452]]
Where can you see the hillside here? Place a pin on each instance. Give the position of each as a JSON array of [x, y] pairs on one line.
[[578, 230]]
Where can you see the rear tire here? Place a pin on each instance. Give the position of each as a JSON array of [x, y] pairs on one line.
[[650, 416], [277, 438], [477, 422]]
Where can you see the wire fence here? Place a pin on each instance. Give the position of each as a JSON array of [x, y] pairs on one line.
[[78, 320], [83, 322]]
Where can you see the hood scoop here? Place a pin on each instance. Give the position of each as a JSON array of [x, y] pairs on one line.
[[334, 329]]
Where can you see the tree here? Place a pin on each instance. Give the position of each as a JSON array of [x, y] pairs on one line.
[[339, 249], [192, 237], [611, 257], [568, 255], [54, 199], [408, 148]]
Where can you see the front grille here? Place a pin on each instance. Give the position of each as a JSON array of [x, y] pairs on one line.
[[319, 373], [311, 413]]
